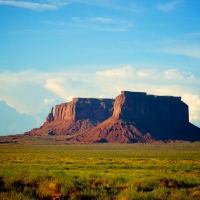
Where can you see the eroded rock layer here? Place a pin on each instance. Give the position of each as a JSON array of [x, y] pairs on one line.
[[77, 116], [85, 108], [131, 117], [139, 106], [139, 117]]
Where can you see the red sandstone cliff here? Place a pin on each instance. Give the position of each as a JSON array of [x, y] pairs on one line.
[[77, 116], [85, 108], [131, 117], [139, 117]]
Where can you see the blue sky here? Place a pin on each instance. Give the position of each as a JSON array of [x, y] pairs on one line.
[[54, 50]]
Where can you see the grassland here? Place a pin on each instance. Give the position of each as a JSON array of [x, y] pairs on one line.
[[100, 171]]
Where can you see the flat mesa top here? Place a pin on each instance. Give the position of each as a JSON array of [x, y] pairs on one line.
[[149, 96], [89, 98]]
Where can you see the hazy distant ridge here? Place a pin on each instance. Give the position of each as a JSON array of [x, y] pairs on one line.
[[13, 122]]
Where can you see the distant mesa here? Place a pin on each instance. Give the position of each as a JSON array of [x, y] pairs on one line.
[[131, 117]]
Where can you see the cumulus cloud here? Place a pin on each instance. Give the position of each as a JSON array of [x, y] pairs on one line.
[[20, 89], [172, 73], [178, 75], [172, 82], [147, 73], [193, 101], [56, 85], [69, 98], [48, 101], [125, 72], [102, 96], [129, 72], [29, 5]]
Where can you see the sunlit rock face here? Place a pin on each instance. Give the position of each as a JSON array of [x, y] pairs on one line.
[[76, 116], [131, 117], [139, 117], [85, 108]]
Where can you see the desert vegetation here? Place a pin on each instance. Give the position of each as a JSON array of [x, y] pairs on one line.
[[100, 171]]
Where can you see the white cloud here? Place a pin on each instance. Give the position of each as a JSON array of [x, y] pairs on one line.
[[146, 73], [101, 19], [168, 74], [48, 101], [56, 85], [92, 24], [101, 96], [29, 5], [178, 75], [20, 89], [125, 72], [173, 74], [191, 51], [101, 24], [194, 106], [69, 98], [191, 99], [171, 82], [169, 6]]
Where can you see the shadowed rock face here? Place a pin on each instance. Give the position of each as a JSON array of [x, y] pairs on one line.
[[140, 106], [139, 117], [50, 117], [131, 117]]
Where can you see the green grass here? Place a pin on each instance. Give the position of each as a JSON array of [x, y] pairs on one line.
[[100, 171]]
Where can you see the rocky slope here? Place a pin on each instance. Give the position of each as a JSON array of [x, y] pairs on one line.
[[131, 117], [77, 116]]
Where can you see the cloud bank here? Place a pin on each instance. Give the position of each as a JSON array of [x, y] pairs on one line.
[[32, 91]]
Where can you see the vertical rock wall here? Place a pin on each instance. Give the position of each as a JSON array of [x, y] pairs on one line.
[[131, 117], [85, 108], [139, 105]]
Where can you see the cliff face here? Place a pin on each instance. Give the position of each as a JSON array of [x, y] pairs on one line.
[[139, 117], [140, 106], [85, 108], [131, 117], [50, 117], [77, 116], [127, 106]]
